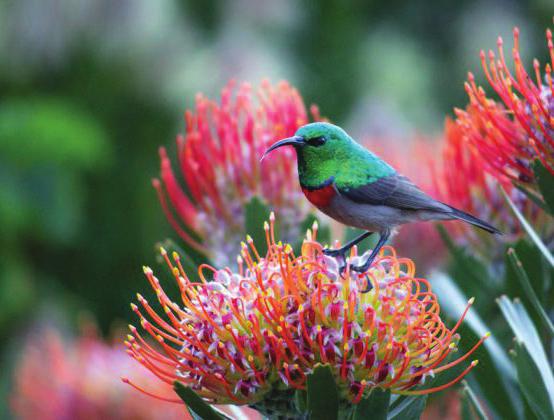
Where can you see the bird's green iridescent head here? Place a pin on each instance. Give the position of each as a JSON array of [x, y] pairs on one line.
[[325, 150]]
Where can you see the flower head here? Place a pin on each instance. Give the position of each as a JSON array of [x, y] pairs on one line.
[[462, 181], [511, 134], [219, 158], [74, 378], [248, 336]]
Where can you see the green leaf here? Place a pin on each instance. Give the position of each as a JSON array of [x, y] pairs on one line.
[[530, 231], [545, 181], [473, 402], [301, 400], [410, 408], [526, 285], [465, 266], [531, 382], [533, 196], [256, 213], [375, 406], [533, 359], [323, 399], [496, 375], [195, 404]]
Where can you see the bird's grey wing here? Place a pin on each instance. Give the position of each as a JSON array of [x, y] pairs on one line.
[[393, 191]]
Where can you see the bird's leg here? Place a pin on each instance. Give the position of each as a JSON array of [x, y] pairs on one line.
[[385, 235], [341, 252]]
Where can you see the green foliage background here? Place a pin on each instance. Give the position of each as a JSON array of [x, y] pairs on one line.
[[89, 90]]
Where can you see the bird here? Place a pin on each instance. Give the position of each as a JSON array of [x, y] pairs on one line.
[[352, 185]]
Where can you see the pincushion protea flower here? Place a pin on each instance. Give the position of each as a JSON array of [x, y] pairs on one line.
[[462, 181], [510, 135], [252, 336], [58, 378], [219, 158]]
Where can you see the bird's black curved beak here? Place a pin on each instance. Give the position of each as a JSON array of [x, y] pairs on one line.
[[289, 141]]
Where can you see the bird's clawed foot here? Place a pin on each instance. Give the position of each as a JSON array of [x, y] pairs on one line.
[[335, 253]]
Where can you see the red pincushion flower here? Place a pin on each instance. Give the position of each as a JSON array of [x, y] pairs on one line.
[[219, 159], [247, 337], [511, 134], [463, 182]]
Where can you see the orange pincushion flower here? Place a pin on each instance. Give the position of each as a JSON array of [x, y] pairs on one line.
[[219, 159], [248, 336], [511, 134]]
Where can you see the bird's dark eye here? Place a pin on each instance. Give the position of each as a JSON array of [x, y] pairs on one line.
[[316, 141]]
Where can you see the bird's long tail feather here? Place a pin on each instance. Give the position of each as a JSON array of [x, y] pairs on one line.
[[466, 217]]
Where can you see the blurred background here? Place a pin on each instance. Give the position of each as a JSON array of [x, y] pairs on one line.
[[90, 88]]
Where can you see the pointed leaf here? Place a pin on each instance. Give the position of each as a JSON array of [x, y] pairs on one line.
[[531, 382], [533, 359], [529, 229], [533, 196], [255, 214], [545, 181], [323, 398], [473, 402], [195, 404], [410, 408], [526, 285], [497, 377], [375, 406]]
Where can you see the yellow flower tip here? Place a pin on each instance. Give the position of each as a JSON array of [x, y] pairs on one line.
[[243, 245], [147, 270], [346, 347], [363, 382], [266, 226], [279, 329], [159, 338], [140, 298], [288, 249], [239, 259], [175, 255], [300, 308], [470, 301], [228, 327], [249, 239], [281, 318], [134, 307], [130, 337], [272, 216], [319, 328], [250, 358], [451, 346], [132, 328], [175, 271], [315, 225], [345, 305], [407, 355], [474, 363], [166, 309], [487, 335], [163, 251]]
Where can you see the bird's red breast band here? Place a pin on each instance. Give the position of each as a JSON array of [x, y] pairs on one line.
[[320, 197]]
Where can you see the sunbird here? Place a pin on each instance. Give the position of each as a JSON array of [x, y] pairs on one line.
[[352, 185]]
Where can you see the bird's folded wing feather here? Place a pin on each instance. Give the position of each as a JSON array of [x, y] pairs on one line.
[[393, 191]]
